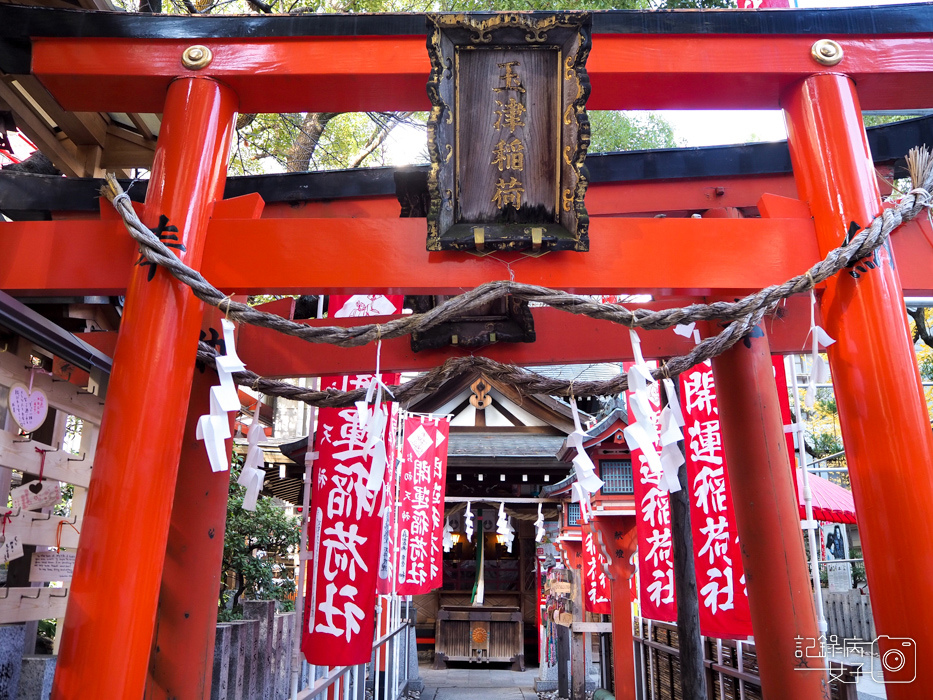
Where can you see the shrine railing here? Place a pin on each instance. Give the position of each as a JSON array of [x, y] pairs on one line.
[[387, 673], [731, 667]]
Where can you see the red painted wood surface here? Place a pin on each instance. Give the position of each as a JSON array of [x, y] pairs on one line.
[[778, 583], [115, 588], [309, 256], [183, 652], [389, 73], [882, 410]]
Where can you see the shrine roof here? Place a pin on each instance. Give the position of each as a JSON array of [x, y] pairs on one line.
[[604, 429], [486, 445]]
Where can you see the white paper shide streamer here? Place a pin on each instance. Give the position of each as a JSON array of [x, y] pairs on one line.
[[539, 525], [583, 466], [819, 368], [448, 536], [373, 418], [580, 495], [214, 427], [468, 523], [253, 475], [688, 330], [504, 528], [642, 433], [672, 420]]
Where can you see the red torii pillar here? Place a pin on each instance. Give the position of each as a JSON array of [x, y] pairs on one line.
[[182, 659], [115, 589], [882, 409], [768, 518]]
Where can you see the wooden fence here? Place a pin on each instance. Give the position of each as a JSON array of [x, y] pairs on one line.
[[731, 667], [253, 656], [848, 615]]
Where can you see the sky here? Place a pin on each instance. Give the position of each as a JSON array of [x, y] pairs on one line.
[[691, 127], [707, 128]]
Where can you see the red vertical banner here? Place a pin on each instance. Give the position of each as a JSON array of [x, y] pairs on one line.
[[422, 481], [345, 536], [724, 611], [347, 542], [655, 547], [596, 593]]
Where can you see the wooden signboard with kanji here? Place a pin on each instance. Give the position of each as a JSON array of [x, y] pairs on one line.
[[508, 132]]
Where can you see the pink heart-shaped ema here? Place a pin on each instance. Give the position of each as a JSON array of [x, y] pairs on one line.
[[28, 408]]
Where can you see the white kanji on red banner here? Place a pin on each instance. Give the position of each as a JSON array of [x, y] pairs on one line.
[[655, 548], [596, 593], [422, 480], [345, 535], [720, 576]]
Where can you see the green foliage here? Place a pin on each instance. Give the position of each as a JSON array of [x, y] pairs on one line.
[[879, 119], [252, 543], [312, 141], [224, 615], [926, 365], [629, 131], [858, 568], [45, 639]]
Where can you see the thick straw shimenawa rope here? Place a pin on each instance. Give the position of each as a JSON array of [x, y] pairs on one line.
[[742, 315]]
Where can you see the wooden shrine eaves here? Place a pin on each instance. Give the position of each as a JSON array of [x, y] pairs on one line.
[[123, 62]]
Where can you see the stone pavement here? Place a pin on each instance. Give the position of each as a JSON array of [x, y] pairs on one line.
[[479, 682]]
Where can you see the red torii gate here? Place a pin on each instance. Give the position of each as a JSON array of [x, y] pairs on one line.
[[639, 60]]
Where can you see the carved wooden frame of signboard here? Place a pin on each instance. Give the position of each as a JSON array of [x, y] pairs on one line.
[[508, 131]]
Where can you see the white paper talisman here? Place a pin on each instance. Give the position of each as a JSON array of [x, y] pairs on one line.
[[36, 494], [52, 566], [28, 408], [11, 549]]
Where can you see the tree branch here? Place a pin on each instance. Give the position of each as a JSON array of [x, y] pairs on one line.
[[921, 331], [309, 135], [378, 138]]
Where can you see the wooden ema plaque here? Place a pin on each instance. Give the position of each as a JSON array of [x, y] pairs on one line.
[[508, 131]]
